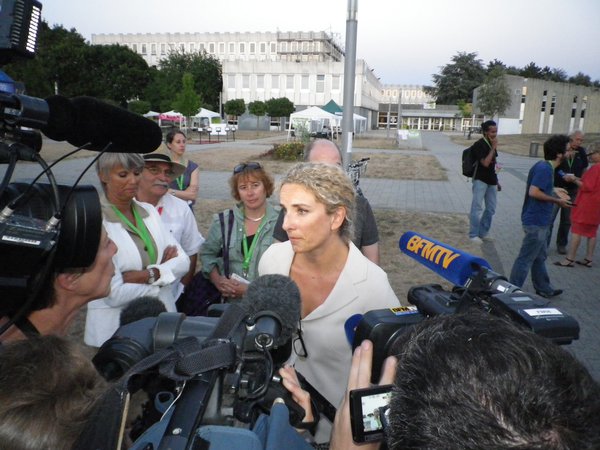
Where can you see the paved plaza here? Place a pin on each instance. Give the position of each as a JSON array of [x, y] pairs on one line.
[[581, 298]]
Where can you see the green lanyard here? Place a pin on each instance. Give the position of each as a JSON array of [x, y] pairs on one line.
[[140, 230], [570, 163], [179, 181], [249, 252]]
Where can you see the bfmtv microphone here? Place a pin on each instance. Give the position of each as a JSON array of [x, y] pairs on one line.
[[86, 120], [452, 264]]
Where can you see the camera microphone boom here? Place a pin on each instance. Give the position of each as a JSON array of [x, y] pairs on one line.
[[83, 120]]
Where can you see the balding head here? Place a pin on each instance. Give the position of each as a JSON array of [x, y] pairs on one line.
[[323, 151]]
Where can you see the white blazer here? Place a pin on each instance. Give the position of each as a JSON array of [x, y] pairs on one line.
[[102, 318]]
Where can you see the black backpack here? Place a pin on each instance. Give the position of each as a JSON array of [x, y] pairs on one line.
[[469, 163]]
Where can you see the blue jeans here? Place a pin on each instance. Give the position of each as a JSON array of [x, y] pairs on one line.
[[480, 224], [532, 256]]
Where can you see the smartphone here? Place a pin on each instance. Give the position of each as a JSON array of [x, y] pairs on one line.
[[368, 412]]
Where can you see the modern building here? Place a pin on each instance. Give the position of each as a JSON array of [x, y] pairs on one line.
[[540, 106]]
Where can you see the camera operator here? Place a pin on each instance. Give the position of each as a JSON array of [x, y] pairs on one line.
[[478, 381], [63, 294], [48, 388]]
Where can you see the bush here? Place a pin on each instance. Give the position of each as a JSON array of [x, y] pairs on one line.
[[292, 151]]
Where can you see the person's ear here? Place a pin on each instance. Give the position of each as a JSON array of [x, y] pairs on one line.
[[68, 281], [338, 217]]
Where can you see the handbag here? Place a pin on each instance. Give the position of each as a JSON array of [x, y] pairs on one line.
[[201, 292]]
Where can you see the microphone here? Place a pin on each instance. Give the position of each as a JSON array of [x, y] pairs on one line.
[[454, 265], [85, 119], [274, 297], [350, 326], [141, 308]]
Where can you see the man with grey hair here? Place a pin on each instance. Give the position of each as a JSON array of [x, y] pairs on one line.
[[576, 163], [366, 235]]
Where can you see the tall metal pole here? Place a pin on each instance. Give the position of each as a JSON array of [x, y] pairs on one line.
[[349, 77]]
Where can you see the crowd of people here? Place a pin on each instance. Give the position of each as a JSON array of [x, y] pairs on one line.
[[322, 235]]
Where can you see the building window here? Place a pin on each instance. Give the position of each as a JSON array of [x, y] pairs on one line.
[[211, 48], [263, 47], [260, 81], [273, 47], [305, 46], [335, 82], [153, 49], [202, 48], [134, 47], [231, 81], [294, 46], [320, 84], [143, 49], [192, 47], [304, 82], [171, 47], [232, 47], [284, 46], [252, 47], [182, 47], [221, 47], [289, 83], [242, 47], [163, 49], [275, 81], [246, 81]]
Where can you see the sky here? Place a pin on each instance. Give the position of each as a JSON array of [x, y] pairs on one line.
[[405, 42]]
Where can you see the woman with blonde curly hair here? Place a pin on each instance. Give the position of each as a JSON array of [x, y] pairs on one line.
[[336, 280]]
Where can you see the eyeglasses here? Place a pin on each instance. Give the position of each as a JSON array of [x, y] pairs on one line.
[[156, 171], [250, 166], [299, 345]]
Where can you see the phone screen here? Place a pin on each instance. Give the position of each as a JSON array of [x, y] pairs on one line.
[[368, 412]]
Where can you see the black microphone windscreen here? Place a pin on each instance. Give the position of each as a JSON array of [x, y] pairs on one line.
[[278, 294], [141, 308], [61, 118], [101, 123], [86, 120]]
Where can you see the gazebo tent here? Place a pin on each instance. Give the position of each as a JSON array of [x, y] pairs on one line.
[[171, 116], [332, 107], [360, 124], [314, 119]]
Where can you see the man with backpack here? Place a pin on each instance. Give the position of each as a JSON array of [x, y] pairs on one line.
[[485, 183]]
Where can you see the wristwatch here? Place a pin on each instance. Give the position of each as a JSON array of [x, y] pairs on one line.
[[151, 276]]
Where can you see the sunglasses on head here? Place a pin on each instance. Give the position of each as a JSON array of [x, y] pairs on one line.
[[246, 166]]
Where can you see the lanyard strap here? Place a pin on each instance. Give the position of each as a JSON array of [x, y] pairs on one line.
[[179, 181], [248, 252], [140, 230], [570, 163]]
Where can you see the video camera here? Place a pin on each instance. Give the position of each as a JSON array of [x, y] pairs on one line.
[[477, 286], [44, 228], [220, 370]]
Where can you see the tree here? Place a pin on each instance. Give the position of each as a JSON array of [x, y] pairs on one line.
[[466, 109], [257, 108], [205, 69], [456, 81], [139, 106], [235, 107], [532, 70], [494, 94], [187, 102], [279, 107], [581, 79]]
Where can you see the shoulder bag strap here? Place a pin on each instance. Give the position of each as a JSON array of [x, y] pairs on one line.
[[227, 241]]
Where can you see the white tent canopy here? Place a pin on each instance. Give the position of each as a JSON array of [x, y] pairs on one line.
[[314, 119], [360, 124]]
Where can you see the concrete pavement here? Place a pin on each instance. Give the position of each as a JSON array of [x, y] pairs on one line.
[[581, 298]]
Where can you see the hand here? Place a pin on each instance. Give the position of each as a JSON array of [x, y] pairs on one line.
[[169, 253], [570, 178], [562, 193], [299, 395], [360, 374]]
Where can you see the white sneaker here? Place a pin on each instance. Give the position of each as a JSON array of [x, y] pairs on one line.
[[487, 239], [476, 239]]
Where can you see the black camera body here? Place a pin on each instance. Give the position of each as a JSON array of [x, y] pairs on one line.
[[485, 290]]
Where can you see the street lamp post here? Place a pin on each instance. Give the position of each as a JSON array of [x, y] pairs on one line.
[[349, 77]]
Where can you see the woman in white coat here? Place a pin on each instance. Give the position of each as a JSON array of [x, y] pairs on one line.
[[148, 262], [336, 281]]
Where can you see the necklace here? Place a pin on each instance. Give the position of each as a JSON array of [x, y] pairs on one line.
[[258, 219]]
